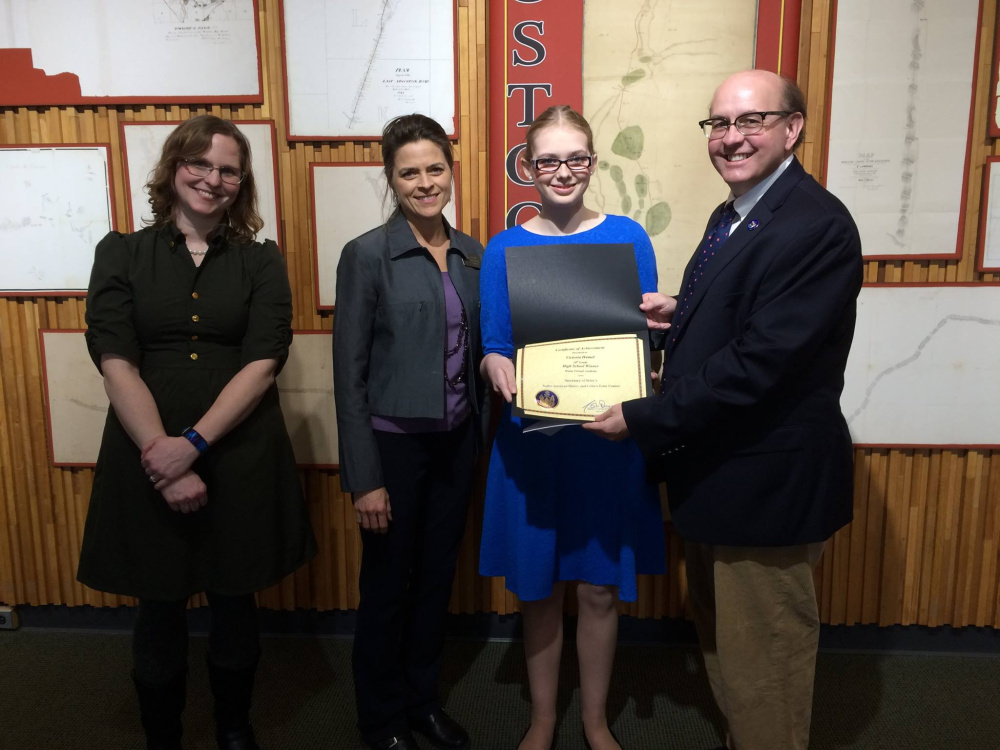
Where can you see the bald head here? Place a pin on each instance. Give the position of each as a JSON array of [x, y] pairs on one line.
[[744, 159], [790, 96], [758, 80]]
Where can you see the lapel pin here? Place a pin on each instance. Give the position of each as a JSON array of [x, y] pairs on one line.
[[753, 224]]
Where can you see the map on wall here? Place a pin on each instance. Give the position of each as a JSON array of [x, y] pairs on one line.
[[352, 66], [77, 405], [347, 202], [989, 221], [899, 121], [923, 368], [650, 68], [62, 52], [55, 206], [143, 142]]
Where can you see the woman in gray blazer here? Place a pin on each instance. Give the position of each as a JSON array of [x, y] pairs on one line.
[[410, 413]]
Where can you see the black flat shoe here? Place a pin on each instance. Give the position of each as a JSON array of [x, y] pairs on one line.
[[237, 739], [396, 742], [442, 730]]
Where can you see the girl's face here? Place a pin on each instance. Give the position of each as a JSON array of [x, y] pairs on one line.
[[565, 186]]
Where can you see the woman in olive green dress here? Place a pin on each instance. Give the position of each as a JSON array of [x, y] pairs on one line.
[[189, 321]]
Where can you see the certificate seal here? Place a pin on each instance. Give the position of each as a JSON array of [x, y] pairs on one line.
[[546, 399]]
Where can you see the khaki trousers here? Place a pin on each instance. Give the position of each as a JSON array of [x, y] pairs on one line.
[[758, 624]]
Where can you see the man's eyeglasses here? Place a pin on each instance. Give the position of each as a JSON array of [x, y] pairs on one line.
[[229, 175], [575, 163], [749, 123]]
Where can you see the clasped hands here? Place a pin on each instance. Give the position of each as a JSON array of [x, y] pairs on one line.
[[167, 462]]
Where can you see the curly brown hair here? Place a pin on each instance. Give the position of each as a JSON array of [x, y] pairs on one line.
[[190, 140]]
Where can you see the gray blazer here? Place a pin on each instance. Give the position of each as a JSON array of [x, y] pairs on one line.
[[389, 338]]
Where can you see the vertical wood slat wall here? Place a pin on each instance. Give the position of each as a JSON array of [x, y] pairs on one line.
[[924, 544]]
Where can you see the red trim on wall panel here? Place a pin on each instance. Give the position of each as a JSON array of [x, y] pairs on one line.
[[777, 38]]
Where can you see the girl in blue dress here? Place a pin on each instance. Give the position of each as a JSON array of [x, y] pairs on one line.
[[566, 509]]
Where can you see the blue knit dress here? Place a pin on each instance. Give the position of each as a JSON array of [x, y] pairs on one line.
[[567, 506]]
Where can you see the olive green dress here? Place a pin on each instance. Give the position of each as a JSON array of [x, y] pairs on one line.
[[190, 329]]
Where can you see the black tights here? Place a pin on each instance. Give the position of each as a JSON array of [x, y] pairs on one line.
[[160, 636]]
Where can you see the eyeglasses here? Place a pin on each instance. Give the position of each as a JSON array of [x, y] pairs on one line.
[[749, 123], [229, 175], [551, 164]]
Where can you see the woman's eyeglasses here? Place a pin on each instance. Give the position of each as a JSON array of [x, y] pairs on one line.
[[229, 175], [550, 164]]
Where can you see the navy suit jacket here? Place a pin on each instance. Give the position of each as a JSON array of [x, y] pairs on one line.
[[747, 430]]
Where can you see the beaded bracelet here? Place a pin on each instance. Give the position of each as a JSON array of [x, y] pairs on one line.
[[192, 436]]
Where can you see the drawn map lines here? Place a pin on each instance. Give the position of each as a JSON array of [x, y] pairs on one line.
[[874, 384], [384, 17]]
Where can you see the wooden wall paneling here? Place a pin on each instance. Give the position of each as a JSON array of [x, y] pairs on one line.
[[327, 576], [10, 569], [969, 569], [991, 600], [856, 564], [984, 573], [894, 538], [872, 564], [924, 547], [946, 542], [916, 527]]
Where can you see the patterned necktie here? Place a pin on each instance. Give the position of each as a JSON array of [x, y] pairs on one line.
[[712, 242]]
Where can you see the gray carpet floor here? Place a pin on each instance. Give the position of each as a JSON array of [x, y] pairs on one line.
[[63, 689]]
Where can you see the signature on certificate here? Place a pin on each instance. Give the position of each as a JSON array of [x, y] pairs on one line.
[[597, 405]]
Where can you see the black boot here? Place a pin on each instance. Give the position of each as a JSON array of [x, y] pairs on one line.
[[160, 709], [232, 689]]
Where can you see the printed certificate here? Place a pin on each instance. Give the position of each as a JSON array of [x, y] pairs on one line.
[[577, 379]]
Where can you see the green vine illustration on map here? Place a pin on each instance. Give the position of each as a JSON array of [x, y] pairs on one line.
[[636, 196]]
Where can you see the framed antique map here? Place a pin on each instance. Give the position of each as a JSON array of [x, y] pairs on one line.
[[66, 52], [56, 203], [351, 67]]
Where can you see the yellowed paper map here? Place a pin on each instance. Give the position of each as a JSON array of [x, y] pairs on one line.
[[649, 70]]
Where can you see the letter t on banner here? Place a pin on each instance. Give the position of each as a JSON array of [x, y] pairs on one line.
[[536, 60]]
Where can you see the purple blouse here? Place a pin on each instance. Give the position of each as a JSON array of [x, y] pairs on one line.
[[456, 401]]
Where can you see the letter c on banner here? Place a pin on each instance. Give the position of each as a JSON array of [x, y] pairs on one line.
[[513, 158], [511, 219]]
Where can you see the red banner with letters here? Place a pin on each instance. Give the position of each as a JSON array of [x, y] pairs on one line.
[[537, 62]]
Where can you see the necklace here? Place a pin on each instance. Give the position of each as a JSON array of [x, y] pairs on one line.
[[198, 252], [461, 342]]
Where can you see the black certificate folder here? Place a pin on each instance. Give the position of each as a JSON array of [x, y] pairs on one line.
[[570, 291]]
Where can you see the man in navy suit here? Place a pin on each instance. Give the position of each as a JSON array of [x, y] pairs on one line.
[[747, 430]]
